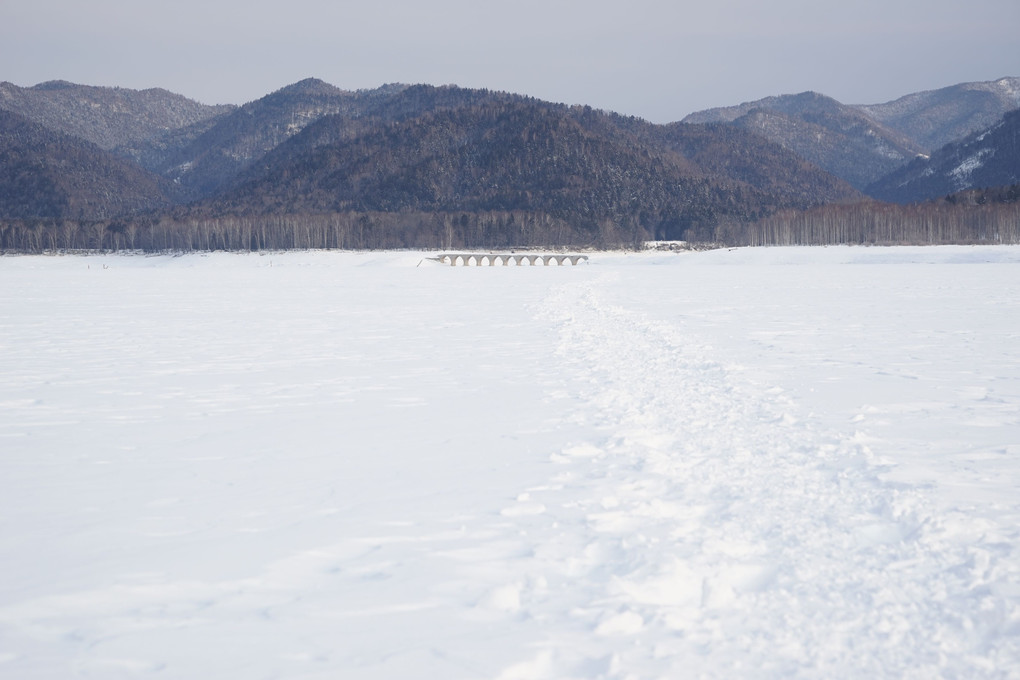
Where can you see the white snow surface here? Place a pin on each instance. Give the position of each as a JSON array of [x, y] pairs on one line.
[[751, 463]]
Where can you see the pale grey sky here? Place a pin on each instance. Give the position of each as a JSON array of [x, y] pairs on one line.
[[651, 58]]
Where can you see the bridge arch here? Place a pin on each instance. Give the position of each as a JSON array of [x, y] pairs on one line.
[[508, 259]]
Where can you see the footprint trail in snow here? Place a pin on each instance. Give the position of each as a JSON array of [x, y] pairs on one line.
[[709, 531]]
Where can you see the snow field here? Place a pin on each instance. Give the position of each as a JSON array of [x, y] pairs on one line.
[[732, 525], [753, 463]]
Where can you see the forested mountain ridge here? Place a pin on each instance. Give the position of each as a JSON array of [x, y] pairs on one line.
[[46, 174], [311, 165], [109, 117], [509, 153], [205, 162], [863, 143], [989, 158], [935, 118], [834, 136], [751, 159]]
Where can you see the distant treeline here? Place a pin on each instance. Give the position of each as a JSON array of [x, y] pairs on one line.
[[955, 220], [345, 231], [934, 223]]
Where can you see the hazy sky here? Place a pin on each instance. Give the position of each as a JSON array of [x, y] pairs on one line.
[[651, 58]]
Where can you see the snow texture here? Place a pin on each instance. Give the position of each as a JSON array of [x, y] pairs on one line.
[[757, 463], [960, 175]]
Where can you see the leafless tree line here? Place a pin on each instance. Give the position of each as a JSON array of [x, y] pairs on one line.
[[865, 223], [881, 224], [345, 231]]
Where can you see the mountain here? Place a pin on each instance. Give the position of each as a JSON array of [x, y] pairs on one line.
[[312, 165], [838, 138], [749, 158], [109, 117], [938, 117], [448, 149], [216, 157], [201, 163], [989, 158], [45, 174]]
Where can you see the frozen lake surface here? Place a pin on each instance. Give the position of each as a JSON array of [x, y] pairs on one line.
[[757, 463]]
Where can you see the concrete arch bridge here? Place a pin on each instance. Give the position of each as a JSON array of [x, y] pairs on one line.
[[508, 259]]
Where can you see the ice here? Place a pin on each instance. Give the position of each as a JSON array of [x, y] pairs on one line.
[[749, 463]]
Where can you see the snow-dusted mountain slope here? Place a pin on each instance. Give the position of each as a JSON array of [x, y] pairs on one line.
[[938, 117], [768, 463], [985, 159]]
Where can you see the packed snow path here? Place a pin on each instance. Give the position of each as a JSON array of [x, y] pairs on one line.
[[760, 464], [715, 518]]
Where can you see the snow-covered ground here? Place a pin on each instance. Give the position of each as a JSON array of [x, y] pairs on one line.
[[757, 463]]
